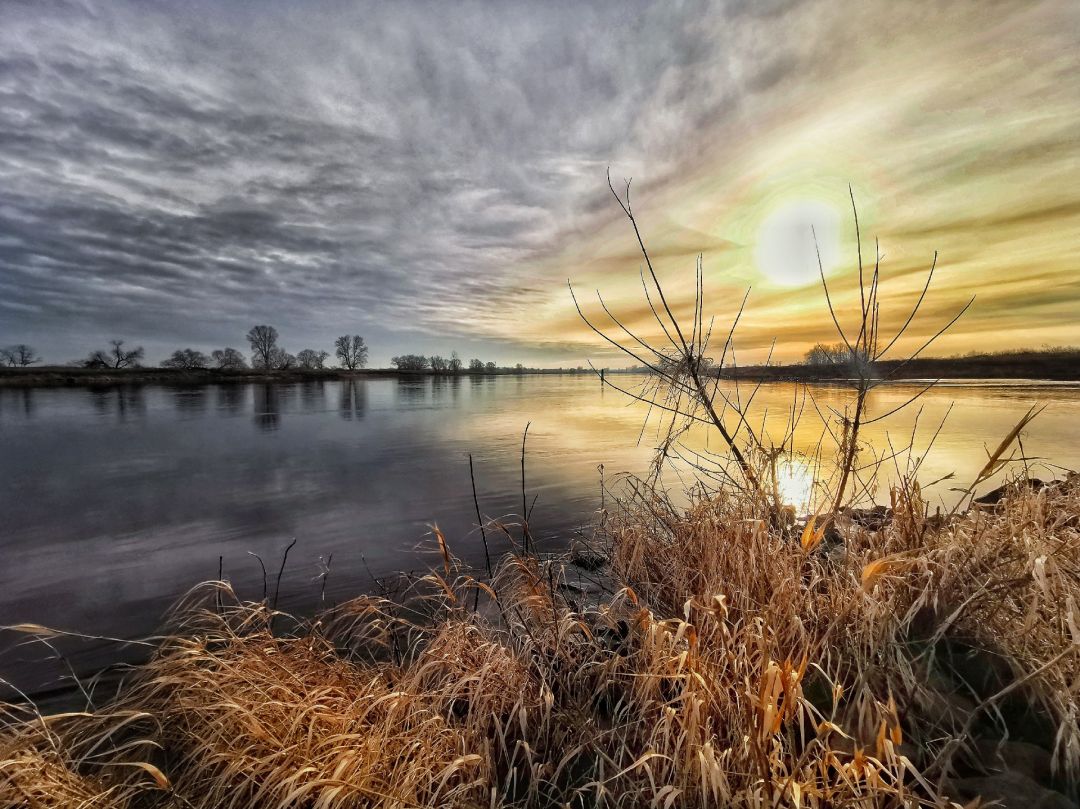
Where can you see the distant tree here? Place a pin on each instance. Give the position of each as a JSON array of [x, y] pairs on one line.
[[410, 362], [490, 368], [454, 366], [822, 354], [279, 360], [229, 359], [115, 357], [19, 356], [476, 366], [352, 352], [519, 368], [187, 359], [263, 340], [439, 364], [311, 359]]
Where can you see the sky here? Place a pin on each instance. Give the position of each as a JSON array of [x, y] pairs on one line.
[[430, 175]]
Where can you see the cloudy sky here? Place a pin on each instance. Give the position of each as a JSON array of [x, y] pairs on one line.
[[430, 174]]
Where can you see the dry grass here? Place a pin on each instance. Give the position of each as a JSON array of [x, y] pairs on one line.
[[34, 775], [734, 665], [88, 761], [258, 720]]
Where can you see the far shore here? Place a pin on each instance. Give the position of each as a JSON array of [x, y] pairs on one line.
[[65, 376], [1055, 366], [1051, 365]]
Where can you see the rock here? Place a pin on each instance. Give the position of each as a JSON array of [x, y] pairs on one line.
[[1020, 757], [992, 498], [587, 559], [984, 671], [1023, 757], [1011, 790], [871, 518], [948, 708]]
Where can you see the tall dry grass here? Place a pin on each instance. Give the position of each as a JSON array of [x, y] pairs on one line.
[[729, 663]]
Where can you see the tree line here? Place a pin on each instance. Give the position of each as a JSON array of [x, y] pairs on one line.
[[446, 365], [266, 354]]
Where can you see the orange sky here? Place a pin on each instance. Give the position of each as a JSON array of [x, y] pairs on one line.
[[962, 136]]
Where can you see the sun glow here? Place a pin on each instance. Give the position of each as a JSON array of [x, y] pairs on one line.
[[795, 484], [791, 237]]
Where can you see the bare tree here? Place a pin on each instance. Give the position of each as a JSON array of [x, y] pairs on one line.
[[312, 360], [678, 384], [864, 352], [229, 359], [263, 340], [454, 365], [490, 367], [439, 364], [19, 356], [186, 359], [684, 387], [115, 357], [352, 352], [476, 366]]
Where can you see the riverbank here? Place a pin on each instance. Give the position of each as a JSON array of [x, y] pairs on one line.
[[62, 376], [1062, 366], [1049, 365], [691, 658]]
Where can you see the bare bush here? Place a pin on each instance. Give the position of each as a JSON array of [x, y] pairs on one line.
[[19, 356], [229, 359], [310, 359], [410, 362], [187, 359], [115, 357]]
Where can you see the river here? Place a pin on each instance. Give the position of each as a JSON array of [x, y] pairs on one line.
[[115, 501]]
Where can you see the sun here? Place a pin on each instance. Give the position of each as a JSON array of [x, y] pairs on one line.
[[785, 243]]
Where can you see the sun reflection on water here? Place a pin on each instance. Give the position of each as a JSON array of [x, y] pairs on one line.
[[795, 484]]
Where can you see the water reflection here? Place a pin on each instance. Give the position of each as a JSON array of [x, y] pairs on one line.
[[267, 407], [313, 395], [795, 483], [482, 386], [230, 398], [190, 401], [353, 399], [411, 391], [26, 397], [445, 388], [125, 403]]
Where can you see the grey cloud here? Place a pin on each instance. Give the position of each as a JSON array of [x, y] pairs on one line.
[[184, 171]]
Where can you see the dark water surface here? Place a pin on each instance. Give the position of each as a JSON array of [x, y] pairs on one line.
[[113, 502]]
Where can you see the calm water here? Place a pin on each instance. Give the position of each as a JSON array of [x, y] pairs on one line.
[[115, 501]]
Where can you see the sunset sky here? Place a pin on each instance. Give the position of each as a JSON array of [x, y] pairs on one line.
[[431, 174]]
